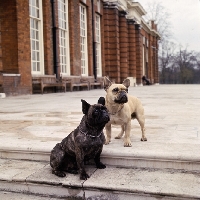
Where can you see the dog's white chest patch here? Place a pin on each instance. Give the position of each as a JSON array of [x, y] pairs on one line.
[[116, 120]]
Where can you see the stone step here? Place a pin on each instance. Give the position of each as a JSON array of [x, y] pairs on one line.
[[154, 155], [21, 196], [112, 183]]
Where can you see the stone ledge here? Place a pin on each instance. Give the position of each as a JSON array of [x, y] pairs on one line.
[[36, 178]]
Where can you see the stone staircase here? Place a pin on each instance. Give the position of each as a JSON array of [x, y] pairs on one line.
[[129, 174]]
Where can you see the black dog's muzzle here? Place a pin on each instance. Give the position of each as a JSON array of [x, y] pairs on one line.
[[105, 117]]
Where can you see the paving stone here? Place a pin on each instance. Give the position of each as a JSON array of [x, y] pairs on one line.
[[16, 170]]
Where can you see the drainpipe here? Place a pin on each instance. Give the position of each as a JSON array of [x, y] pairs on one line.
[[55, 47], [94, 43]]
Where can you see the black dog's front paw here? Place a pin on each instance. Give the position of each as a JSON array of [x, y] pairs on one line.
[[84, 176], [58, 173], [72, 171], [101, 166]]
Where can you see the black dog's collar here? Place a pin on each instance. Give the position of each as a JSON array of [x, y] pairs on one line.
[[86, 133]]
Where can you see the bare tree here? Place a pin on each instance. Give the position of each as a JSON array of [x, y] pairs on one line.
[[159, 14], [166, 58], [186, 61]]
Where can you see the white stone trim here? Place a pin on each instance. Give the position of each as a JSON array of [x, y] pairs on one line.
[[11, 74]]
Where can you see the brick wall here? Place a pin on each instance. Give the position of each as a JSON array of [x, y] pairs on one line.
[[131, 48], [9, 36], [112, 48], [123, 44], [74, 40], [90, 36], [48, 37], [1, 65], [138, 41], [15, 37], [23, 46]]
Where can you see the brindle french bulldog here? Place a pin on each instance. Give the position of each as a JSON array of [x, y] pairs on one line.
[[122, 108], [82, 144]]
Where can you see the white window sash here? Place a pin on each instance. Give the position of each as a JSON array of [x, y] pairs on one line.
[[36, 37], [98, 45], [83, 39], [64, 37]]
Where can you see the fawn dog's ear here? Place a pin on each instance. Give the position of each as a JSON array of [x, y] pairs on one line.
[[126, 83], [107, 83]]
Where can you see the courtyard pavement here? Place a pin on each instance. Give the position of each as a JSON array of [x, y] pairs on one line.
[[31, 125], [38, 122]]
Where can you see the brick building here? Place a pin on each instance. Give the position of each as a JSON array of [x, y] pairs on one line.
[[75, 38]]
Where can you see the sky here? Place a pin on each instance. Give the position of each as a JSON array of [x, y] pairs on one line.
[[184, 19]]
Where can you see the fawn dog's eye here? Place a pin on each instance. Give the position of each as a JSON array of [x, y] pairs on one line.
[[115, 90]]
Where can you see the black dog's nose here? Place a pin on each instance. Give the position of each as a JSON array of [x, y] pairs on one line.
[[107, 118]]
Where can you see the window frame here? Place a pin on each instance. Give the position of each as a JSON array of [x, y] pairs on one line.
[[98, 45], [83, 40], [37, 45], [63, 24]]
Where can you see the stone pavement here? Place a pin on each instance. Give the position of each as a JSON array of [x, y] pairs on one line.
[[30, 126]]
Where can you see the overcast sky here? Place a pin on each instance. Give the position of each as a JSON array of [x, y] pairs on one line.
[[185, 21]]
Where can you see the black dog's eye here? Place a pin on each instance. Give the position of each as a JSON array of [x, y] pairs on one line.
[[96, 112], [115, 90]]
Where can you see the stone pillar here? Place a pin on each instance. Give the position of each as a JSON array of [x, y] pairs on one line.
[[123, 41]]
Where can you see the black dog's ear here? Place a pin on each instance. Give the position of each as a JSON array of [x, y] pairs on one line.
[[85, 106], [102, 101]]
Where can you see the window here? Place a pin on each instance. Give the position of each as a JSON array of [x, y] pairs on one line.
[[147, 54], [143, 40], [83, 39], [36, 36], [98, 45], [143, 63], [63, 36]]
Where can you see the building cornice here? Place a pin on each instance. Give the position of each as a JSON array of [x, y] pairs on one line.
[[137, 6], [149, 30], [121, 5], [133, 11]]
